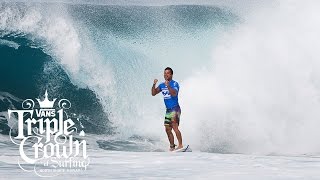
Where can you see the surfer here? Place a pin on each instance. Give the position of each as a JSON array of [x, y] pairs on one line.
[[170, 90]]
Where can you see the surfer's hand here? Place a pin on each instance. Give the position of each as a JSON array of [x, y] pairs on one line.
[[155, 81], [166, 83]]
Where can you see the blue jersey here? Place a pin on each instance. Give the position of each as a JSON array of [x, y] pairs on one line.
[[170, 101]]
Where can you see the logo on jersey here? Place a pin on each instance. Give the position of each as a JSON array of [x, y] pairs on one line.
[[166, 93]]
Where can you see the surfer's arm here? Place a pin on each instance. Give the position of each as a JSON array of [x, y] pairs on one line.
[[173, 92], [154, 90]]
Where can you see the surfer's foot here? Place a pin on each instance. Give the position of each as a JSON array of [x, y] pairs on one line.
[[179, 147], [172, 147]]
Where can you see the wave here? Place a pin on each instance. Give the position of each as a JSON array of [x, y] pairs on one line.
[[255, 71], [28, 71], [261, 92], [90, 54]]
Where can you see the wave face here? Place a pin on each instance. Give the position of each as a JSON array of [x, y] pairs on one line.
[[38, 52], [249, 79]]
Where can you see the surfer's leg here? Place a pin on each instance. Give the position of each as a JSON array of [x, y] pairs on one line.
[[168, 128], [170, 136], [175, 127]]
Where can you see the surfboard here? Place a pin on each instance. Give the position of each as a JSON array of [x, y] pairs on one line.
[[184, 149]]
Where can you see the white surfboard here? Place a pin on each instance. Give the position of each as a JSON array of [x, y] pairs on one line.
[[184, 149]]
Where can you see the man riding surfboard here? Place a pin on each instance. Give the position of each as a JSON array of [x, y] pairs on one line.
[[170, 90]]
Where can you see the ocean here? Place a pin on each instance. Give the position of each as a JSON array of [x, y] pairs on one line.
[[248, 74]]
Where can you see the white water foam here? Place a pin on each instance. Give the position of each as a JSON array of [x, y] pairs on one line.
[[261, 94]]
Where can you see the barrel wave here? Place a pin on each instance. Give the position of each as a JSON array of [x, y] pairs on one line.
[[249, 78]]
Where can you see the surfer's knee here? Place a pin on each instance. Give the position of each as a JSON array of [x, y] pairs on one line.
[[168, 129], [175, 127]]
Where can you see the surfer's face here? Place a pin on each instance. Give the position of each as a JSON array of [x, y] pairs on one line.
[[167, 75]]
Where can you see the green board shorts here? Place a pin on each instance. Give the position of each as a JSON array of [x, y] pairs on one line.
[[172, 116]]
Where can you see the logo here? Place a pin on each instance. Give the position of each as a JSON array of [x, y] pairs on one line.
[[48, 139], [166, 94]]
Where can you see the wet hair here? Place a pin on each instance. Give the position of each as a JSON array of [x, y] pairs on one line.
[[169, 68]]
